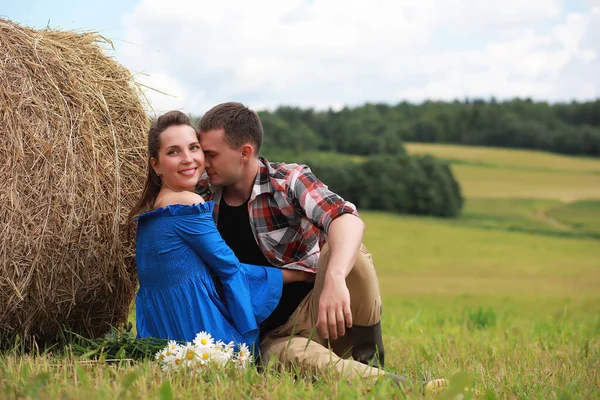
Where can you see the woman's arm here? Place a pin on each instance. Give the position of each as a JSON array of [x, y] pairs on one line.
[[292, 275], [200, 233]]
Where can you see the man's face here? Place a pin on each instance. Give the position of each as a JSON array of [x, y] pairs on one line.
[[223, 164]]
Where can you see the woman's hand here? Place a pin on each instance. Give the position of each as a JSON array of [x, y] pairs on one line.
[[292, 275]]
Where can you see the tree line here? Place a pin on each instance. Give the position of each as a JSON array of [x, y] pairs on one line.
[[568, 128], [386, 178], [421, 185]]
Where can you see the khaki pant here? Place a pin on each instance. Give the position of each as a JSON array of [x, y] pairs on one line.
[[297, 343]]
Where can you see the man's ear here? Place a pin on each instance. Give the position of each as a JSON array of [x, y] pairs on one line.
[[247, 151]]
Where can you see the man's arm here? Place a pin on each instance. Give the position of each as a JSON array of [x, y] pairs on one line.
[[339, 219], [344, 239]]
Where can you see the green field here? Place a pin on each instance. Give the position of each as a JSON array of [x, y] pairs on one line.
[[499, 173], [504, 300]]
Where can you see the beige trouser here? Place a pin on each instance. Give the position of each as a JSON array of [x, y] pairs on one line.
[[297, 343]]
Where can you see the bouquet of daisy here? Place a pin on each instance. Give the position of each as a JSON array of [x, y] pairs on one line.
[[202, 353]]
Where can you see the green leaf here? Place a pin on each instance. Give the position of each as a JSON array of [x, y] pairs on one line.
[[165, 392], [129, 380], [121, 353], [37, 383], [83, 377], [90, 353], [426, 355]]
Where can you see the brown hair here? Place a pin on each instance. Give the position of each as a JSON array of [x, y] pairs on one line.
[[152, 185], [241, 124]]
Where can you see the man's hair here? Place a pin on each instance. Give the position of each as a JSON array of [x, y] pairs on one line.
[[241, 124]]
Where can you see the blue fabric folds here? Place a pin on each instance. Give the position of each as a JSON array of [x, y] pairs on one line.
[[177, 248]]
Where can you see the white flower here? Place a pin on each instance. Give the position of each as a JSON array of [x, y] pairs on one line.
[[244, 357], [228, 349], [202, 353], [204, 339], [219, 344], [172, 345], [221, 354], [172, 362], [173, 348], [161, 355], [244, 351], [205, 354], [188, 355]]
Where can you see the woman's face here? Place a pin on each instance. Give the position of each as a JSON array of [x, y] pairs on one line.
[[180, 161]]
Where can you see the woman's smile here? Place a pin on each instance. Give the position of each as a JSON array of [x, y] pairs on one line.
[[189, 171]]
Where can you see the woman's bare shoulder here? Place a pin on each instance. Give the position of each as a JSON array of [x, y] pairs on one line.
[[185, 197]]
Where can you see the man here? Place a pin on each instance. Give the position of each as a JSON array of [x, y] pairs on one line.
[[282, 215]]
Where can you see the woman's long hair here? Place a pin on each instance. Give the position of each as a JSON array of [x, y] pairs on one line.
[[153, 183]]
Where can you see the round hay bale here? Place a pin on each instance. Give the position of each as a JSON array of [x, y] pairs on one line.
[[72, 163]]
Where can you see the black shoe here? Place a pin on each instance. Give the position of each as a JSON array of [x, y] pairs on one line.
[[367, 345]]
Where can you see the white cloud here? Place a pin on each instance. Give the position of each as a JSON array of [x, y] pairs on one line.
[[334, 52], [163, 92]]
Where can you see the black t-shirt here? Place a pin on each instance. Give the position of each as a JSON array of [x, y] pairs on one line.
[[234, 226]]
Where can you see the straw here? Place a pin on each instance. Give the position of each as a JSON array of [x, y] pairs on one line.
[[72, 157]]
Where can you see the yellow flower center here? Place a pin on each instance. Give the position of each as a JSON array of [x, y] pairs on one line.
[[204, 341], [205, 356], [189, 355], [177, 361]]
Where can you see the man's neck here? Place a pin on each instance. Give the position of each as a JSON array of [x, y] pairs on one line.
[[237, 193]]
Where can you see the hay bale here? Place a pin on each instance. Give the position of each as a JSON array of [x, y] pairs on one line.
[[72, 150]]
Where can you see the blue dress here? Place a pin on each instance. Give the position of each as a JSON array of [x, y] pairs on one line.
[[177, 248]]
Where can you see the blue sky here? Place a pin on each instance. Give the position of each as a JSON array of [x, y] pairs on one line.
[[102, 16], [330, 53]]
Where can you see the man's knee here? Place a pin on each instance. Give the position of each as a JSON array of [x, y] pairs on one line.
[[363, 285]]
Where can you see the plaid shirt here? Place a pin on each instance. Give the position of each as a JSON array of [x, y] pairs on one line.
[[290, 212]]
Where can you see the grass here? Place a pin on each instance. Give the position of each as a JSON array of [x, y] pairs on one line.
[[482, 182], [486, 172], [582, 215], [69, 378], [508, 158], [423, 256], [540, 216], [504, 299]]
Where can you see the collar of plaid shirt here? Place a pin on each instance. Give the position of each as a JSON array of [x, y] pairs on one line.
[[293, 244], [262, 184]]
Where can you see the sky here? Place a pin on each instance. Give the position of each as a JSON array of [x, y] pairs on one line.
[[334, 53]]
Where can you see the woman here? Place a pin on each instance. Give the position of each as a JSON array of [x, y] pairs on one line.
[[178, 246]]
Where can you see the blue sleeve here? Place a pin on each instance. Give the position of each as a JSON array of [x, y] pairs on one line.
[[200, 233], [266, 284]]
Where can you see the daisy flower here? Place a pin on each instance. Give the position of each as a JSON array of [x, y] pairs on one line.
[[161, 355], [244, 357], [205, 354], [244, 351], [188, 354], [204, 339], [172, 362], [173, 348]]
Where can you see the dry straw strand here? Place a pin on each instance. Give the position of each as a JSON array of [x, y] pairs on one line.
[[72, 161]]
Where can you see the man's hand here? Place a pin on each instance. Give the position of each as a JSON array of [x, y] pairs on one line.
[[334, 308]]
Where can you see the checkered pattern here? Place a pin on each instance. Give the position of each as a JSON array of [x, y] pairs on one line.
[[290, 212]]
